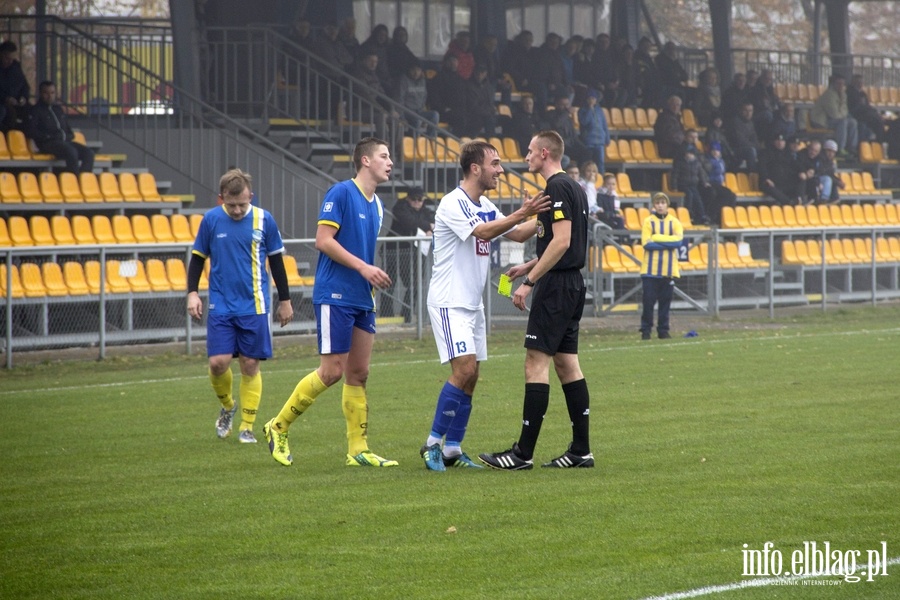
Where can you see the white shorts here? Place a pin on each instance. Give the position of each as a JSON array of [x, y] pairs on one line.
[[458, 332]]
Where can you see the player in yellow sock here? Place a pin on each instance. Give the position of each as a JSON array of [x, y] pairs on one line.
[[344, 300], [239, 239]]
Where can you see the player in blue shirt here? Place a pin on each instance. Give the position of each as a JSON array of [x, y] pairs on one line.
[[344, 301], [238, 238]]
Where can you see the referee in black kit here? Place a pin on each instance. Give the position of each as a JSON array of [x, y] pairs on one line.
[[552, 333]]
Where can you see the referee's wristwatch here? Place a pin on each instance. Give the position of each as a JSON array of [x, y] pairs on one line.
[[528, 282]]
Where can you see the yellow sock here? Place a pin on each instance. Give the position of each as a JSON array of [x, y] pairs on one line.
[[251, 392], [304, 395], [356, 412], [221, 385]]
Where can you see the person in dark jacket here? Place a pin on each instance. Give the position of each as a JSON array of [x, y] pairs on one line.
[[447, 94], [778, 172], [688, 175], [14, 89], [668, 131], [409, 216], [50, 130], [742, 137]]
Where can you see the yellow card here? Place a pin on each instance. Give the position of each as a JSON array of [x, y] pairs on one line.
[[504, 288]]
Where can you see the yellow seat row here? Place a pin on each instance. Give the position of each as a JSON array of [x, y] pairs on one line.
[[16, 146], [731, 255], [834, 215], [38, 230], [641, 151], [845, 251], [873, 152], [630, 119], [70, 188], [50, 279], [635, 217]]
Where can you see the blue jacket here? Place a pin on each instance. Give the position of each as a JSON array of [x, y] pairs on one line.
[[594, 130]]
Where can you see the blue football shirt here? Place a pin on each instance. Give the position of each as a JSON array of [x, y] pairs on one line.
[[238, 281]]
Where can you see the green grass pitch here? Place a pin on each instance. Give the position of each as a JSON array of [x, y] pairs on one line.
[[113, 484]]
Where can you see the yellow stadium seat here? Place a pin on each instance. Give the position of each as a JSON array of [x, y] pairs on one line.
[[623, 185], [880, 214], [612, 260], [76, 282], [847, 215], [18, 145], [863, 248], [176, 273], [181, 228], [630, 119], [293, 273], [651, 152], [878, 155], [82, 230], [162, 231], [156, 276], [893, 215], [616, 119], [128, 185], [689, 120], [895, 248], [102, 229], [741, 217], [118, 283], [195, 220], [511, 147], [4, 148], [109, 187], [637, 151], [90, 187], [731, 183], [729, 218], [633, 262], [824, 215], [612, 152], [409, 149], [865, 153], [625, 150], [869, 213], [802, 217], [859, 218], [632, 222], [849, 251], [121, 226], [61, 229], [778, 216], [16, 289], [53, 279], [141, 229], [685, 217], [30, 188], [32, 282], [836, 252], [642, 120], [837, 219], [9, 189], [883, 250], [643, 213], [50, 188], [39, 226], [765, 217], [68, 186], [790, 216], [19, 233], [753, 218], [148, 188]]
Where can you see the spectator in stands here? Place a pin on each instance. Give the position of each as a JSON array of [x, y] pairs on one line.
[[485, 53], [734, 97], [765, 102], [692, 138], [743, 140], [871, 122], [673, 76], [410, 214], [584, 68], [594, 129], [346, 36], [688, 176], [399, 57], [587, 180], [332, 51], [567, 54], [301, 34], [716, 195], [715, 134], [377, 44], [648, 76], [447, 94], [829, 182], [50, 130], [605, 62], [525, 122], [461, 48], [830, 111], [547, 73], [481, 111], [516, 61], [14, 89], [412, 93], [668, 131], [627, 77], [708, 99], [816, 172], [294, 68], [752, 78], [562, 122], [778, 172], [609, 207], [373, 108], [783, 124]]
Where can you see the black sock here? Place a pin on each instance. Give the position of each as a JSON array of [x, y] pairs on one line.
[[578, 401], [537, 398]]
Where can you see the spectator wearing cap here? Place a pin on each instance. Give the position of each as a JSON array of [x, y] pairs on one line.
[[829, 182], [832, 111], [594, 129], [409, 217], [783, 123], [816, 172], [688, 176], [777, 172]]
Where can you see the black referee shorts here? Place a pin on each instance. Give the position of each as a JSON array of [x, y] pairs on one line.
[[557, 304]]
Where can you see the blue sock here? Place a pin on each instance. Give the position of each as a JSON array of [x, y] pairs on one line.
[[457, 430], [448, 405]]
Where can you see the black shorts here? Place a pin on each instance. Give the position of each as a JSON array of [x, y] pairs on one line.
[[557, 304]]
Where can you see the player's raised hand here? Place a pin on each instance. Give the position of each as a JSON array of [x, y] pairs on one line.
[[538, 203]]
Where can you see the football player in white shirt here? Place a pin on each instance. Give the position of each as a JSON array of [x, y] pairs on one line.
[[464, 225]]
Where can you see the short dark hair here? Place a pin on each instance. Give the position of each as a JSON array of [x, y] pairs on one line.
[[365, 147], [473, 153], [44, 84], [8, 46]]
